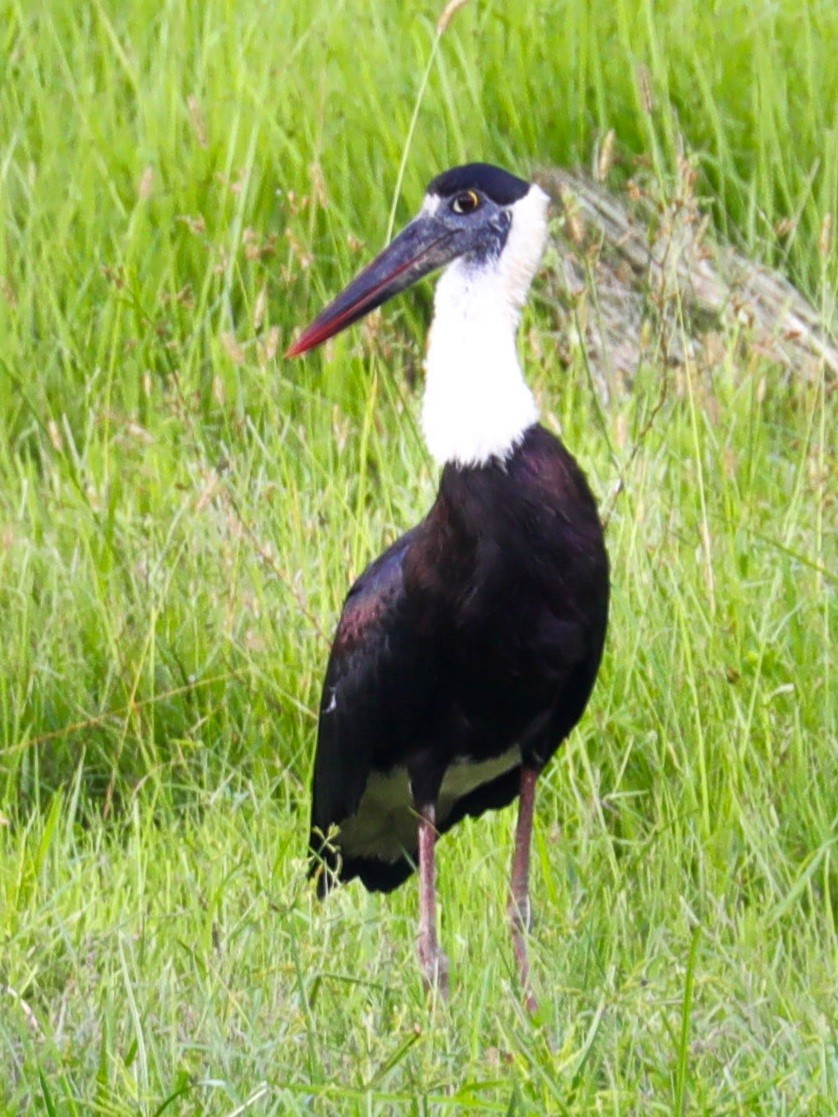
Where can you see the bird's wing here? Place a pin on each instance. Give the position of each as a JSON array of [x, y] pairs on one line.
[[370, 676]]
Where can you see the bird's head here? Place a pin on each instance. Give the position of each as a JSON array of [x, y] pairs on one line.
[[486, 217]]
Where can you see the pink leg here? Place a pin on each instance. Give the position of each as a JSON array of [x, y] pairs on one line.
[[519, 910], [433, 962]]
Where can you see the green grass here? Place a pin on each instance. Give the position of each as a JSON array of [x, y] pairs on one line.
[[181, 512]]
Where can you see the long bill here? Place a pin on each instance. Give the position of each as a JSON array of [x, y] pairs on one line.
[[422, 247]]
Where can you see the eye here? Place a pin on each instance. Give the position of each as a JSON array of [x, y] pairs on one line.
[[467, 202]]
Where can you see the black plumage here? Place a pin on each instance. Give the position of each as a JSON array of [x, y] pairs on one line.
[[481, 628], [466, 653]]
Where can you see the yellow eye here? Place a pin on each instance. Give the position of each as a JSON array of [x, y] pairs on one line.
[[467, 202]]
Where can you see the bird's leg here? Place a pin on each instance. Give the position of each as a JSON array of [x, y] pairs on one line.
[[431, 958], [519, 899]]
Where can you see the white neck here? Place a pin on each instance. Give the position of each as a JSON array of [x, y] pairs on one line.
[[477, 405]]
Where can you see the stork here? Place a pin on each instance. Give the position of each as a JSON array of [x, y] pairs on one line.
[[467, 651]]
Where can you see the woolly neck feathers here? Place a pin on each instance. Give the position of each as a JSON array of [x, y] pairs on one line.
[[477, 405]]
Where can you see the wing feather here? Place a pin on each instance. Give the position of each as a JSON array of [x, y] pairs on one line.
[[370, 675]]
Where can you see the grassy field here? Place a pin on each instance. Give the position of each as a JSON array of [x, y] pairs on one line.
[[181, 512]]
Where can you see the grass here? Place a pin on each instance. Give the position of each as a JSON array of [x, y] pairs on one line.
[[181, 511]]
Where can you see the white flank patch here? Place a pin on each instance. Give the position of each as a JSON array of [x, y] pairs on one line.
[[477, 404], [462, 777], [385, 824]]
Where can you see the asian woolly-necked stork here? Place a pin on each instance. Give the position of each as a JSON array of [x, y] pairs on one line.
[[466, 653]]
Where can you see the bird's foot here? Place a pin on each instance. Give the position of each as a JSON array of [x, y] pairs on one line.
[[530, 1000], [520, 921], [519, 914], [434, 966]]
